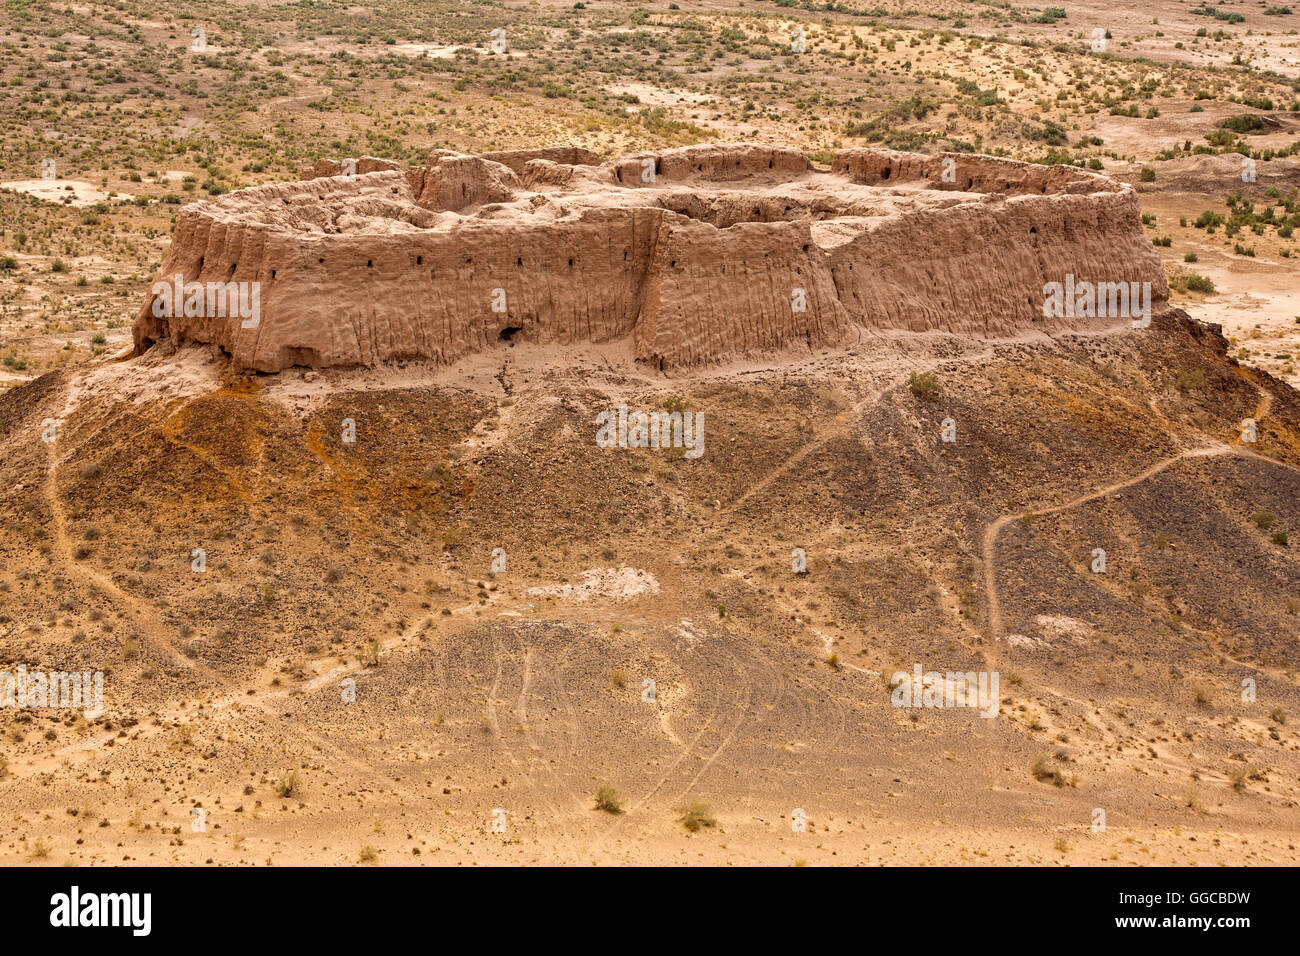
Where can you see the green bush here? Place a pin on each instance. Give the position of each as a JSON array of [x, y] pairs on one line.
[[924, 385], [695, 815], [609, 799]]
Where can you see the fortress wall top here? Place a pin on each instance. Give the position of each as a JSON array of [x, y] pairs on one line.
[[979, 174], [517, 159]]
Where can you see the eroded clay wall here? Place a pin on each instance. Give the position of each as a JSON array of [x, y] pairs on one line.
[[966, 172], [349, 300], [767, 287], [980, 268], [727, 251]]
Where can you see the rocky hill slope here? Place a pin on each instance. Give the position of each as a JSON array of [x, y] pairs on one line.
[[451, 545]]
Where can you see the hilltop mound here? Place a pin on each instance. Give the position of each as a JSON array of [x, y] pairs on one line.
[[695, 255], [350, 522]]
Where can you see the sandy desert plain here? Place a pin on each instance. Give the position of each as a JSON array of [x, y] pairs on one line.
[[388, 602]]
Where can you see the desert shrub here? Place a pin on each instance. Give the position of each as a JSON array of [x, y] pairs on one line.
[[1246, 123], [695, 815], [1191, 282], [1044, 772], [609, 799], [1226, 17], [924, 385], [287, 785]]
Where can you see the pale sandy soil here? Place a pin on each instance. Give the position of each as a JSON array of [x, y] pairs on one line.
[[61, 190]]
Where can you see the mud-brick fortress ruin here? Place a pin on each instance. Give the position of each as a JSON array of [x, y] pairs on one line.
[[694, 255]]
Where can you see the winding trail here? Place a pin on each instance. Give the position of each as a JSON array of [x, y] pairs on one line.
[[992, 532], [849, 425]]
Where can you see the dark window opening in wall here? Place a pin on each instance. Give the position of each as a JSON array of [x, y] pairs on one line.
[[508, 333], [370, 263], [519, 261], [321, 260], [570, 263], [419, 260], [272, 273], [885, 173], [1033, 230]]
